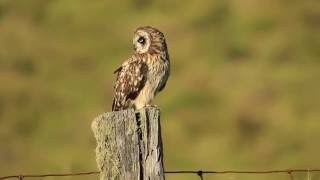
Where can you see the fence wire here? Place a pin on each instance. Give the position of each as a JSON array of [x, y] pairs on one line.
[[199, 173]]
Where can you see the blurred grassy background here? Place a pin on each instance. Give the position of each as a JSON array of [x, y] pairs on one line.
[[243, 93]]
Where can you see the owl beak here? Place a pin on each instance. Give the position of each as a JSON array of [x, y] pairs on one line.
[[134, 47]]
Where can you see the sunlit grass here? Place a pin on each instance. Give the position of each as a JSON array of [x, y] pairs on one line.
[[243, 92]]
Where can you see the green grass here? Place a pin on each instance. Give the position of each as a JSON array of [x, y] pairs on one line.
[[243, 93]]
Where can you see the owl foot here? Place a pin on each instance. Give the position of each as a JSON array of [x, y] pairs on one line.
[[152, 106]]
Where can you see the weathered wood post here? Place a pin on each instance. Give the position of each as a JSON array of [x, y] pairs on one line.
[[129, 145]]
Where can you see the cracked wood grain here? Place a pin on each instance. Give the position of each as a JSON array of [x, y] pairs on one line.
[[129, 145]]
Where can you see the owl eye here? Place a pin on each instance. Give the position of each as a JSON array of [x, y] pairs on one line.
[[141, 40]]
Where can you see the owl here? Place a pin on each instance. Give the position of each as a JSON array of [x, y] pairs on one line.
[[140, 78]]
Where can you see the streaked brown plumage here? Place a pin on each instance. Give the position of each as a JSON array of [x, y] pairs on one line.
[[145, 73]]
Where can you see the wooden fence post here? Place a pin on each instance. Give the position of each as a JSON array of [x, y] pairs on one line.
[[129, 145]]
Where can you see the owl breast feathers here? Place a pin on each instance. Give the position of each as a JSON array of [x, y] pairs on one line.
[[143, 75]]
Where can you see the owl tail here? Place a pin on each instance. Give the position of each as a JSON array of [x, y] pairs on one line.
[[114, 105]]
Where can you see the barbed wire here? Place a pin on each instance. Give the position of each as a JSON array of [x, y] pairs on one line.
[[196, 172], [22, 176]]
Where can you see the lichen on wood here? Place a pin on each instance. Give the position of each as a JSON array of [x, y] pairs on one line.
[[129, 145]]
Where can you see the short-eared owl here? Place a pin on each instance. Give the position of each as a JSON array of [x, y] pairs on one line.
[[145, 73]]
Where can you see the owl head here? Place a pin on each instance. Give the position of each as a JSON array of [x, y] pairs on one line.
[[148, 39]]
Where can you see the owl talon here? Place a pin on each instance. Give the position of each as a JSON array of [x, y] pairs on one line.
[[152, 106]]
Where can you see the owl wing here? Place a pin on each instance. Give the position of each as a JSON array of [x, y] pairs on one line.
[[131, 78]]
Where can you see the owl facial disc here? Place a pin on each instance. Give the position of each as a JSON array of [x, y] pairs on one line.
[[141, 42]]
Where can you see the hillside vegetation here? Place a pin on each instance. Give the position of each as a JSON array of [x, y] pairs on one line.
[[243, 92]]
